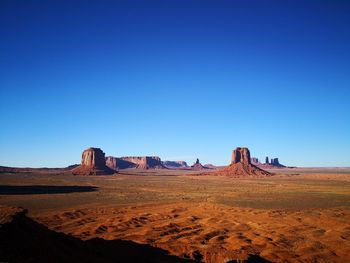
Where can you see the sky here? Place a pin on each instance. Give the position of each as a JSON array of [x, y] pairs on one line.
[[177, 79]]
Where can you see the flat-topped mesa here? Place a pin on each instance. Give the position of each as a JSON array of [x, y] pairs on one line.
[[241, 155], [175, 164], [144, 162], [116, 163], [93, 162], [138, 162], [112, 162]]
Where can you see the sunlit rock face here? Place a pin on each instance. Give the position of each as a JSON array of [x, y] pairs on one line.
[[241, 155], [241, 165], [93, 162], [93, 157]]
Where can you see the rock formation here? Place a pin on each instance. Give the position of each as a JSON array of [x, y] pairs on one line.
[[175, 164], [241, 165], [270, 163], [198, 166], [145, 162], [93, 163], [241, 155], [274, 161], [112, 162], [267, 160], [138, 162], [116, 163], [255, 160]]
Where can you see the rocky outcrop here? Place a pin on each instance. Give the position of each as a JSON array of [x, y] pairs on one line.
[[112, 162], [275, 162], [270, 163], [140, 162], [241, 165], [93, 157], [255, 160], [93, 162], [145, 162], [241, 155], [198, 166], [116, 163], [175, 164]]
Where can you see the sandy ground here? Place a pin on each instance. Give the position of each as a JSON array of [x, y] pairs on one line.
[[298, 215], [218, 232]]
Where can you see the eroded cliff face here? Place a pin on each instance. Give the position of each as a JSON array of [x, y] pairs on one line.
[[241, 155], [93, 157], [139, 162], [241, 165], [275, 161], [112, 162], [145, 162], [93, 162]]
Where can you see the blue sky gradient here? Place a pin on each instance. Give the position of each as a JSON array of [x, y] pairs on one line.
[[178, 79]]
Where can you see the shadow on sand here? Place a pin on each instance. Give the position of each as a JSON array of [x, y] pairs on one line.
[[43, 189], [25, 240]]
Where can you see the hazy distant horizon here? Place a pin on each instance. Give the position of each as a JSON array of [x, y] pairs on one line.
[[192, 79]]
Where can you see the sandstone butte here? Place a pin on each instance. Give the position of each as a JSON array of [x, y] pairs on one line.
[[198, 166], [269, 164], [241, 165], [93, 162]]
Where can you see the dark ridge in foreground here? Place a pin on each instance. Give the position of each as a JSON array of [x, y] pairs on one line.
[[24, 240]]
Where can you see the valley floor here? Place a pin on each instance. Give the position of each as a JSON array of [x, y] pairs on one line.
[[297, 215]]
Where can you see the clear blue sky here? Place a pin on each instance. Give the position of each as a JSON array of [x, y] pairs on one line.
[[178, 79]]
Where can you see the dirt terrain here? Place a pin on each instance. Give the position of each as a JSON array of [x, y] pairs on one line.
[[296, 215]]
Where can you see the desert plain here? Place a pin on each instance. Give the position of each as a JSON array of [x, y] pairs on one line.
[[295, 215]]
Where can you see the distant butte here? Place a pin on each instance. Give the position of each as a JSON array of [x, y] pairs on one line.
[[269, 163], [198, 166], [241, 165], [93, 162]]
